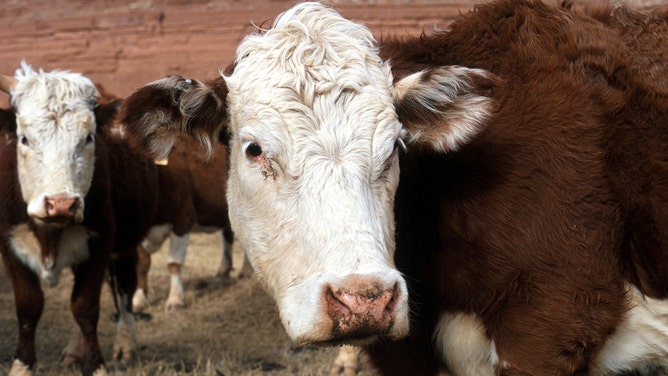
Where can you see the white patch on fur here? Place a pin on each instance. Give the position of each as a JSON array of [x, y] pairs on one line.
[[155, 237], [72, 249], [639, 340], [19, 369], [102, 371], [125, 345], [177, 248], [54, 125], [465, 346], [314, 94]]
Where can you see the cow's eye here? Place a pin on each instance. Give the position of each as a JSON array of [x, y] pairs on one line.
[[89, 138], [24, 140], [253, 150]]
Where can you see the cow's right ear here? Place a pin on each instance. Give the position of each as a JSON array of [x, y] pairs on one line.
[[444, 108], [7, 123], [162, 110]]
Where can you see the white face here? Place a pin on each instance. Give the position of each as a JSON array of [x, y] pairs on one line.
[[314, 170], [56, 148]]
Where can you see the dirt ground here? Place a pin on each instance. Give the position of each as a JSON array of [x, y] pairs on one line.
[[228, 327]]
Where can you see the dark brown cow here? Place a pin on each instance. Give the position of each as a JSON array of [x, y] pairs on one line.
[[82, 202], [530, 221], [192, 199]]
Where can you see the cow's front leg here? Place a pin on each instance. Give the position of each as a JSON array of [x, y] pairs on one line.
[[85, 305], [140, 298], [177, 256], [29, 300], [226, 261], [125, 345]]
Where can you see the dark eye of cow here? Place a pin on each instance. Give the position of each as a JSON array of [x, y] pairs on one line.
[[89, 138], [24, 141], [254, 150]]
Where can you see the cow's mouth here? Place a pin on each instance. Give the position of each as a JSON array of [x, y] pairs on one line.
[[356, 340], [56, 221]]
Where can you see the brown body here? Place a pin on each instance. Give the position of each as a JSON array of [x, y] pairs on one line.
[[537, 225]]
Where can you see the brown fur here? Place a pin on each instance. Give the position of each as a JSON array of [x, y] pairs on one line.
[[536, 225]]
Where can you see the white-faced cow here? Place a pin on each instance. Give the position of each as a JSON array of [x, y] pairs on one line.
[[524, 231], [71, 196], [190, 200]]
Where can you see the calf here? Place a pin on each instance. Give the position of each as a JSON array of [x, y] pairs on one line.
[[485, 199], [192, 199], [69, 198]]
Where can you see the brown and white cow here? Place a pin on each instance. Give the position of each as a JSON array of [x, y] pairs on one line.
[[190, 200], [523, 231], [71, 196]]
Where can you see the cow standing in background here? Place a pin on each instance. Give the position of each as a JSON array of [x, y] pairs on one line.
[[192, 199], [531, 233], [72, 196]]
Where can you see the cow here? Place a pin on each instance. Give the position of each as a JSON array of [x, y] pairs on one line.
[[190, 200], [485, 199], [71, 196]]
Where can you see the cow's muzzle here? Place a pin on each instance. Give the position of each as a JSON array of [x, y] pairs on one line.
[[62, 208], [361, 310]]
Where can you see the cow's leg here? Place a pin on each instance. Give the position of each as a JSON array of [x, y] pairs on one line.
[[140, 299], [346, 362], [226, 262], [151, 244], [85, 305], [125, 345], [246, 268], [29, 300], [175, 259], [73, 351]]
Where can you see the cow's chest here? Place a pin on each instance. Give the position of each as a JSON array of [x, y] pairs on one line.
[[69, 248]]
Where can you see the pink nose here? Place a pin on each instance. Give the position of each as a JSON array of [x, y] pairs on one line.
[[361, 309], [61, 207]]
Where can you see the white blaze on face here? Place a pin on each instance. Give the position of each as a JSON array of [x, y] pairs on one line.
[[55, 149], [314, 170]]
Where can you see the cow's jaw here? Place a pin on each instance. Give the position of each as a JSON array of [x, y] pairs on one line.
[[55, 148]]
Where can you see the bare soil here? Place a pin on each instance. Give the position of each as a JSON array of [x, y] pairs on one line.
[[229, 327]]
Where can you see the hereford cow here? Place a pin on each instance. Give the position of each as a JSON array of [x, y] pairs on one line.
[[190, 200], [521, 230], [71, 196]]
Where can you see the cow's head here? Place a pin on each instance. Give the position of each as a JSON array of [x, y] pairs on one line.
[[55, 131], [316, 126]]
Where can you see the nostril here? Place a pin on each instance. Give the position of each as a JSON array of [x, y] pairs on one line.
[[335, 306], [74, 206], [389, 308], [61, 206]]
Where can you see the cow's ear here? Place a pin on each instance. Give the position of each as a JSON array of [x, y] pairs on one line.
[[105, 113], [7, 123], [162, 110], [445, 107]]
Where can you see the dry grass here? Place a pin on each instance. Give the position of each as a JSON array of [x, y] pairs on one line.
[[228, 327]]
